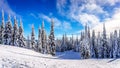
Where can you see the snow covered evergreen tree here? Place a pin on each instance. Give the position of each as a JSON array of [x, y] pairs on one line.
[[58, 45], [15, 33], [28, 42], [39, 40], [8, 32], [104, 43], [33, 38], [119, 44], [71, 42], [52, 39], [46, 44], [115, 47], [21, 39], [77, 46], [85, 45], [99, 45], [63, 44], [2, 28], [95, 46], [111, 45], [43, 38]]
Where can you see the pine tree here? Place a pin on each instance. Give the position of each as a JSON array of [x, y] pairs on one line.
[[71, 43], [52, 39], [45, 44], [111, 45], [58, 45], [93, 44], [28, 42], [21, 39], [104, 43], [2, 29], [115, 47], [76, 47], [119, 44], [63, 44], [43, 38], [8, 32], [33, 38], [39, 40], [15, 33], [99, 45], [85, 45], [82, 46]]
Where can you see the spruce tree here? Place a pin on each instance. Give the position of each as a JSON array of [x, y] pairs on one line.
[[15, 33], [2, 28], [115, 47], [104, 42], [63, 44], [119, 44], [85, 44], [93, 44], [28, 42], [8, 32], [76, 47], [43, 38], [21, 39], [52, 39], [39, 40], [33, 38], [111, 45]]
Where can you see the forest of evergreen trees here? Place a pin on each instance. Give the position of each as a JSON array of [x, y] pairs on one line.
[[13, 35], [89, 45]]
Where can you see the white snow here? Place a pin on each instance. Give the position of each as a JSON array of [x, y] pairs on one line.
[[16, 57]]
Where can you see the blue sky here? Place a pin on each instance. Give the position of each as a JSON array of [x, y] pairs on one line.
[[69, 16]]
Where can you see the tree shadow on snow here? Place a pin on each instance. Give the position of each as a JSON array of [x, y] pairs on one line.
[[112, 60], [32, 55], [68, 55], [59, 55]]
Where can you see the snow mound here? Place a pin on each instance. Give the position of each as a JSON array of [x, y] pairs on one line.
[[16, 57]]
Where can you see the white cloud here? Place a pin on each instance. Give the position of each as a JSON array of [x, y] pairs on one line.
[[91, 12], [4, 5], [112, 23], [107, 2], [67, 25], [89, 19], [83, 11], [33, 15], [58, 24], [61, 5]]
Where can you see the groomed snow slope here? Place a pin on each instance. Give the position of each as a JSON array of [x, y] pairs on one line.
[[15, 57]]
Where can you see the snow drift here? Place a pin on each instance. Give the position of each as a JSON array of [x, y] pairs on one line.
[[16, 57]]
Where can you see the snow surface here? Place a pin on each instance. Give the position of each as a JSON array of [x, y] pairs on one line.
[[16, 57]]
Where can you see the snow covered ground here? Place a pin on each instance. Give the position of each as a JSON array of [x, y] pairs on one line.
[[15, 57]]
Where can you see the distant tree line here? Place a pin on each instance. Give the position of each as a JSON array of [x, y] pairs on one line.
[[91, 45]]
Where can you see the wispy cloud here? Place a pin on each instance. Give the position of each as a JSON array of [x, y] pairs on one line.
[[91, 12], [33, 15], [58, 24], [5, 6], [112, 23]]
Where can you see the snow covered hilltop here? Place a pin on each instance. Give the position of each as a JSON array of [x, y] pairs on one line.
[[16, 57], [89, 45]]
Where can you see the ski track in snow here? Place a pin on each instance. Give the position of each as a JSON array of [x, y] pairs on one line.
[[16, 57]]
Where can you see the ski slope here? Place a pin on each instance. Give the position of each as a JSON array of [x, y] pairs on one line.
[[16, 57]]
